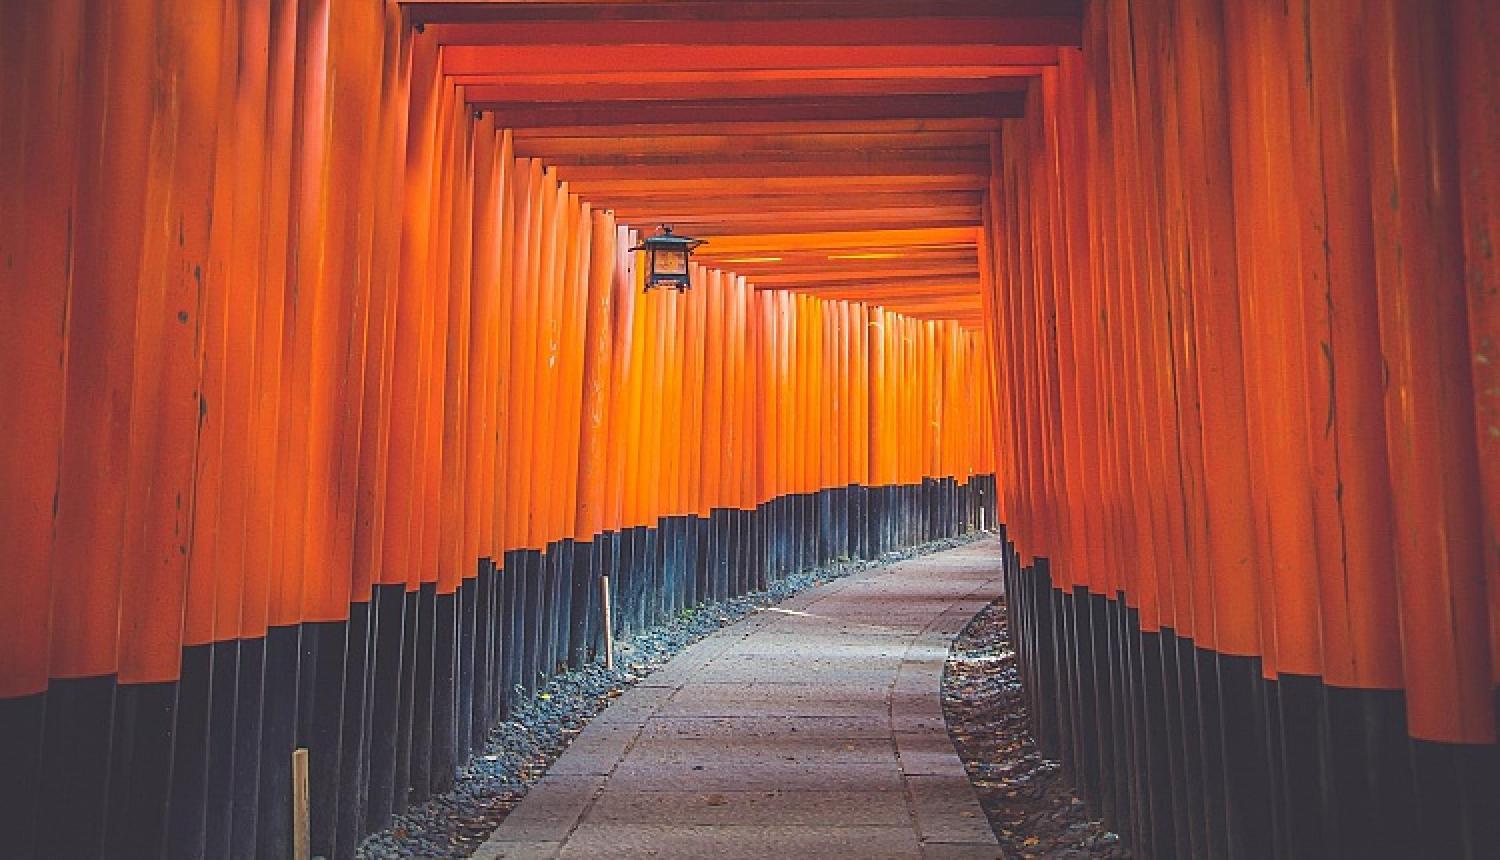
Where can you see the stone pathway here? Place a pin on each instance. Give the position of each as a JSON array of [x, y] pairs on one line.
[[811, 729]]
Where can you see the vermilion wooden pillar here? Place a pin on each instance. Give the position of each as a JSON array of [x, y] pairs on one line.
[[1475, 81], [1429, 409], [1357, 600], [1279, 372]]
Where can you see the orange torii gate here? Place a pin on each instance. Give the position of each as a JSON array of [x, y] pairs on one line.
[[331, 391]]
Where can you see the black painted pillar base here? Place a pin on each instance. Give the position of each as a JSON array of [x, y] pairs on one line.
[[532, 620], [1301, 720], [642, 559], [224, 690], [511, 592], [354, 751], [322, 649], [413, 716], [21, 722], [452, 671], [388, 634], [581, 604], [140, 771]]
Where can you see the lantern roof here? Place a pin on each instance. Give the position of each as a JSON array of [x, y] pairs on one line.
[[666, 240]]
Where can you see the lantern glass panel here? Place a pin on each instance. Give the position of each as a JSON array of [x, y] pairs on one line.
[[670, 262]]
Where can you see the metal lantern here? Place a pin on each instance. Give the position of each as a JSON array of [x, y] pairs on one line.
[[667, 257]]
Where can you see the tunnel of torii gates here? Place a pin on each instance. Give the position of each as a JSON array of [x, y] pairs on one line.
[[330, 389]]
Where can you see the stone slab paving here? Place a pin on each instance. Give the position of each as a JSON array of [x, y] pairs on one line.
[[810, 729]]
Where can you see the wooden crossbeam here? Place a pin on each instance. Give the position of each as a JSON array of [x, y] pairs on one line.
[[775, 170], [852, 240], [951, 280], [894, 261], [514, 114], [561, 148], [600, 191], [744, 224], [1022, 31], [733, 128], [761, 75], [570, 57], [430, 11], [855, 158], [781, 268], [796, 200], [478, 89], [877, 295]]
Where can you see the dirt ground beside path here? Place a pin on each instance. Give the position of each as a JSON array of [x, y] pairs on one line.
[[1030, 804]]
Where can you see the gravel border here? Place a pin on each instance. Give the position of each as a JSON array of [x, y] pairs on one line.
[[519, 750], [1030, 802]]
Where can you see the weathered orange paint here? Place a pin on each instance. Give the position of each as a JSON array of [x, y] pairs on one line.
[[1477, 77], [1229, 580], [165, 417], [1351, 496], [87, 501], [595, 415], [1429, 403]]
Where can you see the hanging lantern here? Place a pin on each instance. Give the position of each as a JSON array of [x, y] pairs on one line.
[[667, 257]]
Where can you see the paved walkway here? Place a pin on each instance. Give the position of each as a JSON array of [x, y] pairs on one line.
[[811, 729]]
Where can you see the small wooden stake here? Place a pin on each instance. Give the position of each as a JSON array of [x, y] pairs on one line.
[[609, 630], [301, 829]]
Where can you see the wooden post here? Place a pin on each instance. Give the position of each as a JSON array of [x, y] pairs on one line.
[[609, 628], [301, 834]]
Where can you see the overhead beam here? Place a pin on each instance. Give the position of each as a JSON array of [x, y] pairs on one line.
[[479, 88], [876, 295], [918, 125], [912, 267], [1031, 31], [915, 263], [932, 313], [569, 57], [970, 215], [795, 222], [690, 76], [872, 168], [938, 308], [731, 227], [901, 259], [848, 240], [773, 280], [952, 160], [969, 319], [955, 286], [430, 11], [542, 114], [799, 200], [933, 302], [571, 147], [949, 279], [774, 170], [834, 276], [600, 191]]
